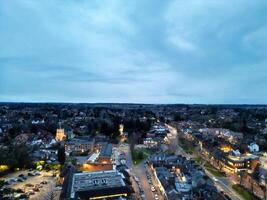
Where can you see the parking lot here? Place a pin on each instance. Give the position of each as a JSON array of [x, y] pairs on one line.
[[29, 184]]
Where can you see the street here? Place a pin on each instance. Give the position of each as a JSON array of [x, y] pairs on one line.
[[139, 176], [222, 184]]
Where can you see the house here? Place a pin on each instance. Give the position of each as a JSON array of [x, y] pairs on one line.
[[105, 154], [151, 142], [60, 135], [253, 147], [236, 163], [79, 145]]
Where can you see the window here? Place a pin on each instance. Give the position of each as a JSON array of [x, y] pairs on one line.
[[95, 182], [104, 181]]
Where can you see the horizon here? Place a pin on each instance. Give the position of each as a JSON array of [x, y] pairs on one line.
[[154, 52], [135, 103]]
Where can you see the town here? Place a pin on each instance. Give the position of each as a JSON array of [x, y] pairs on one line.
[[132, 151]]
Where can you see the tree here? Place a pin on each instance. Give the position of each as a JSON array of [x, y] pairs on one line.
[[61, 155]]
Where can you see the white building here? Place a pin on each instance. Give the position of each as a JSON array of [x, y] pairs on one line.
[[253, 147]]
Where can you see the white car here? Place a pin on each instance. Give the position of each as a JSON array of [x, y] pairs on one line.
[[136, 179], [215, 179], [153, 189]]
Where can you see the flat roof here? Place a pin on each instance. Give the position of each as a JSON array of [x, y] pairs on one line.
[[91, 181], [106, 150]]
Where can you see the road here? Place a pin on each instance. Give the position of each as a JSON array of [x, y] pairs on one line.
[[140, 171], [222, 184], [129, 162], [142, 186]]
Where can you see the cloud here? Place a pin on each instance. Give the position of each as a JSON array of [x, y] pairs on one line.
[[196, 51]]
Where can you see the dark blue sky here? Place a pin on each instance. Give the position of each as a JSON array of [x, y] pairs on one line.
[[153, 51]]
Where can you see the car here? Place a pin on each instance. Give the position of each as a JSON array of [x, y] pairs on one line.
[[136, 179], [21, 175], [58, 187], [31, 192], [215, 179], [20, 180], [24, 196], [17, 195], [29, 185], [44, 182], [36, 189], [7, 183], [153, 189], [227, 197], [19, 190], [30, 174], [37, 173]]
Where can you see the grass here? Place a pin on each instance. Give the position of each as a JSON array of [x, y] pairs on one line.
[[169, 151], [139, 155], [187, 146], [213, 170], [198, 159], [208, 167], [243, 192]]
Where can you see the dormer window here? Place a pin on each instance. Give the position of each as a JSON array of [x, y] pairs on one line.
[[95, 182], [104, 181]]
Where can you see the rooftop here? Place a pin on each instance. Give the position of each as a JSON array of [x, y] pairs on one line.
[[106, 150], [91, 181]]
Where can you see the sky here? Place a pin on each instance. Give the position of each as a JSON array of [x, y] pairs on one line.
[[153, 51]]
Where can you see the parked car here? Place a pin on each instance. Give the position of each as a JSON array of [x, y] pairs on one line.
[[23, 196], [30, 174], [136, 179], [31, 193], [20, 180], [19, 190], [29, 185], [37, 173]]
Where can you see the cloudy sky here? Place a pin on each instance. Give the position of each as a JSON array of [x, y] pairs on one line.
[[153, 51]]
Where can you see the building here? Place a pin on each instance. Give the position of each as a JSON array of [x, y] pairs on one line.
[[99, 185], [253, 147], [60, 135], [101, 159], [176, 177], [238, 163], [105, 155], [79, 145], [151, 142]]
